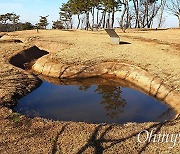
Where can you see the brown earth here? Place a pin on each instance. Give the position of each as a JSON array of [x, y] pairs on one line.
[[155, 51]]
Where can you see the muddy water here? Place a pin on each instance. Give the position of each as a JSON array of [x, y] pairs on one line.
[[92, 101]]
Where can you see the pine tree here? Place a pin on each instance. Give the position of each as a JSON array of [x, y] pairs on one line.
[[66, 15], [43, 22], [9, 19]]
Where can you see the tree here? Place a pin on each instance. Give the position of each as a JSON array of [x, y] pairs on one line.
[[152, 9], [102, 7], [66, 15], [43, 22], [15, 19], [87, 6], [116, 6], [148, 9], [111, 99], [163, 4], [87, 9], [109, 7], [4, 18], [136, 9], [135, 13], [144, 12], [57, 25], [125, 8], [9, 20], [76, 9], [173, 7], [27, 26]]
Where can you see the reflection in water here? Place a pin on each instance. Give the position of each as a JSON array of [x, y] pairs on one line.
[[94, 101], [110, 98]]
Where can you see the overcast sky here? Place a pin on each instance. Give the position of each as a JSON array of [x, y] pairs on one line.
[[30, 10]]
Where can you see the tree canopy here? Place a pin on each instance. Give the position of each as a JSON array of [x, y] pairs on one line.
[[133, 13]]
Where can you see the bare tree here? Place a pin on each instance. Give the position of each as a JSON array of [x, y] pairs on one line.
[[163, 4], [147, 11], [173, 7]]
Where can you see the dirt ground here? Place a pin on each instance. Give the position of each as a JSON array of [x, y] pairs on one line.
[[158, 52]]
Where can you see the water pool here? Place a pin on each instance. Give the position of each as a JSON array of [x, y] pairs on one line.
[[92, 102]]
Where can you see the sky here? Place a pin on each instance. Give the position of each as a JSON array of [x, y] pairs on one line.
[[30, 10]]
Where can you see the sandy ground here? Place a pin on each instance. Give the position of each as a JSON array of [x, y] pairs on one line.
[[155, 51]]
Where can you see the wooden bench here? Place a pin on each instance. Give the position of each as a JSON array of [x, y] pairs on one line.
[[114, 38]]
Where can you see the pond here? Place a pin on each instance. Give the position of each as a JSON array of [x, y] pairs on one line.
[[92, 101]]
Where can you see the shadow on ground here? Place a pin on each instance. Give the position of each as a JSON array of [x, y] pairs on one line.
[[27, 57], [57, 138], [122, 42]]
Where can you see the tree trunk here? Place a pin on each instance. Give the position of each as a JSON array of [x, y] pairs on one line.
[[136, 8], [82, 22], [7, 27], [163, 3], [101, 20], [79, 20], [66, 24], [147, 14], [145, 18], [154, 13], [87, 20], [122, 16], [108, 20], [14, 26], [104, 19], [112, 23], [71, 23], [93, 15], [97, 20], [179, 20], [127, 16]]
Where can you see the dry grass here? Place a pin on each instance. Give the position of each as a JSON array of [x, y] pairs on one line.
[[23, 135], [154, 51]]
